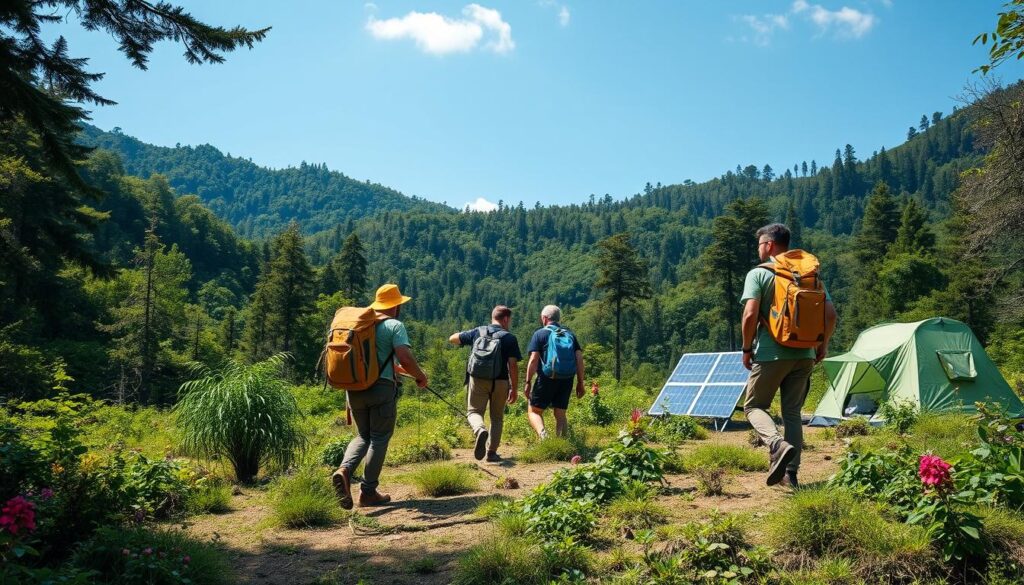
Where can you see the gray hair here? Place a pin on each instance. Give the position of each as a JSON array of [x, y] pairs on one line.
[[552, 312]]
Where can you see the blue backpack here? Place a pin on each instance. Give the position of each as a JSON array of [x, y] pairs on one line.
[[560, 357]]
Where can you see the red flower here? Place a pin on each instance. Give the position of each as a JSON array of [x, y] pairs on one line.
[[575, 459], [16, 514], [933, 471], [636, 416]]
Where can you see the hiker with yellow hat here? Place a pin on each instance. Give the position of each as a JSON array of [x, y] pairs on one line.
[[375, 409]]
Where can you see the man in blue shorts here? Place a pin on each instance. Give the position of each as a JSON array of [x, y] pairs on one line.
[[550, 391]]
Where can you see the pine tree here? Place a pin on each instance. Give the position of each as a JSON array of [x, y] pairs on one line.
[[924, 124], [911, 133], [352, 267], [914, 235], [795, 228], [768, 174], [879, 226], [623, 275], [284, 295]]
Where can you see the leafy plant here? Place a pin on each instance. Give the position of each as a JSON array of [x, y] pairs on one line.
[[852, 427], [560, 519], [126, 556], [334, 451], [899, 414], [242, 412], [711, 480], [632, 459]]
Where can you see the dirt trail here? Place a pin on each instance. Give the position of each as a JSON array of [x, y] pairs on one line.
[[416, 527]]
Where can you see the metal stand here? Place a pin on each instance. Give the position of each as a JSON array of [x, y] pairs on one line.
[[715, 424]]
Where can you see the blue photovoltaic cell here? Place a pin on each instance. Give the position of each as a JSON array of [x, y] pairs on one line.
[[717, 401], [729, 370], [703, 384], [675, 399], [693, 368]]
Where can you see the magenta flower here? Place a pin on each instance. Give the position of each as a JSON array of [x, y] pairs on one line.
[[46, 493], [933, 471], [575, 460], [186, 559], [18, 513]]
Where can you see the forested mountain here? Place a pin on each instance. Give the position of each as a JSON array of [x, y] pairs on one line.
[[256, 201]]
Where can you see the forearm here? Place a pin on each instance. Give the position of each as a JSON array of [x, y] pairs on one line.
[[408, 362], [513, 373], [580, 368], [531, 368], [749, 327]]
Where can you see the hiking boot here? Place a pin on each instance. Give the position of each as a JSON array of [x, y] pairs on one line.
[[481, 444], [781, 454], [790, 480], [493, 457], [343, 487], [373, 498], [543, 434]]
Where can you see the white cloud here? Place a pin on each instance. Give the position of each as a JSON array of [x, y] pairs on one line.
[[847, 22], [564, 16], [764, 27], [480, 204], [440, 35]]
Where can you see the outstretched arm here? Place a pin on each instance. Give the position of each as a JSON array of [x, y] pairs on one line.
[[408, 361]]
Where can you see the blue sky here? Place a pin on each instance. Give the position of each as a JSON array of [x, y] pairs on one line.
[[549, 100]]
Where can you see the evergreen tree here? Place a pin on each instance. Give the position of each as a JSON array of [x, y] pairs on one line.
[[795, 228], [284, 295], [352, 267], [913, 235], [803, 168], [911, 133], [924, 124], [879, 227], [768, 174], [624, 278]]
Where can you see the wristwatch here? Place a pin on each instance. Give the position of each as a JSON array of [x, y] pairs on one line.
[[748, 350]]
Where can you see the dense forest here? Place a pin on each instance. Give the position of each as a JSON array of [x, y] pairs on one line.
[[185, 254]]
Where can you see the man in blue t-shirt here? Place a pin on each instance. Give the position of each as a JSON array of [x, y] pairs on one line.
[[548, 391], [496, 392]]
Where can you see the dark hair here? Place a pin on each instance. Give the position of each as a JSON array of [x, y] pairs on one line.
[[500, 312], [777, 232]]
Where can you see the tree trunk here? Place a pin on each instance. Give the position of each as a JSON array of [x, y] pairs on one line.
[[618, 339]]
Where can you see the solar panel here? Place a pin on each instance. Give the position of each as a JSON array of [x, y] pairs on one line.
[[703, 384]]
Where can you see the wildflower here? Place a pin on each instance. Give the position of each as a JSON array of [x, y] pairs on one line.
[[125, 552], [593, 388], [933, 471], [147, 551], [186, 560], [140, 515], [575, 460], [636, 415], [46, 493], [16, 514]]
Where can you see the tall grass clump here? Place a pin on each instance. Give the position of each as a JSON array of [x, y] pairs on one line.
[[729, 457], [244, 413], [549, 449], [209, 498], [503, 559], [445, 479], [826, 523], [304, 500]]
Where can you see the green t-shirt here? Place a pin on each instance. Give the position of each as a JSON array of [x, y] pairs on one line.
[[760, 284], [390, 335]]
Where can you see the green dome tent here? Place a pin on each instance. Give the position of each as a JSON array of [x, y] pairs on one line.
[[935, 364]]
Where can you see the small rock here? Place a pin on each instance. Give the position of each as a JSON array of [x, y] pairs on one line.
[[828, 458]]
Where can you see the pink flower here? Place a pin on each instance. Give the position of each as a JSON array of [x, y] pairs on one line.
[[575, 460], [593, 388], [46, 493], [636, 415], [186, 559], [147, 551], [16, 514], [933, 471]]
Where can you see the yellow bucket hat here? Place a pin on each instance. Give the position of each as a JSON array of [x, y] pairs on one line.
[[388, 296]]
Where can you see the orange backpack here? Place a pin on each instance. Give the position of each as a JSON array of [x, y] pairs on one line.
[[351, 352], [796, 317]]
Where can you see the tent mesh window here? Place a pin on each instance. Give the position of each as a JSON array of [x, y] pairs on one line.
[[958, 365]]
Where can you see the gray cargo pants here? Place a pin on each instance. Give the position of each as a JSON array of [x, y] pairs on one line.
[[374, 411]]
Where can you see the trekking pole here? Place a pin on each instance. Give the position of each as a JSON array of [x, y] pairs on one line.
[[456, 409]]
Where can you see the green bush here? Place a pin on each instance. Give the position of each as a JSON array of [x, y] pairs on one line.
[[445, 479], [900, 415], [334, 451], [244, 413], [305, 499], [637, 513], [675, 429], [209, 498], [549, 449], [725, 456], [825, 523], [633, 459], [587, 481], [852, 427], [430, 450], [128, 556], [503, 559], [554, 521]]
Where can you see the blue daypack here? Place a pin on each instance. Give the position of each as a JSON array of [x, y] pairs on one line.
[[560, 358]]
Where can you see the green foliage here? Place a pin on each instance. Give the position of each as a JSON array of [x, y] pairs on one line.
[[305, 499], [632, 459], [725, 456], [445, 479], [211, 497], [554, 520], [243, 413], [126, 556], [430, 449], [885, 476], [503, 560], [900, 415], [675, 429], [334, 451], [1008, 37], [600, 413], [852, 427], [549, 449], [636, 513]]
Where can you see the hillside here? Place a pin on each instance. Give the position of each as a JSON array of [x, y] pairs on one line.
[[255, 200]]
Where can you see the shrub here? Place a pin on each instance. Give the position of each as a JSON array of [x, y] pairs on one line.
[[305, 499], [600, 414], [899, 414], [725, 456], [632, 459], [888, 477], [674, 429], [711, 480], [820, 523], [549, 449], [334, 451], [126, 556], [430, 450], [424, 566], [160, 488], [588, 481], [242, 412], [503, 560], [636, 513], [560, 519], [445, 479], [852, 427], [209, 498]]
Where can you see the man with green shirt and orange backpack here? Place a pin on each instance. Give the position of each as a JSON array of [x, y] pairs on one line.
[[788, 309]]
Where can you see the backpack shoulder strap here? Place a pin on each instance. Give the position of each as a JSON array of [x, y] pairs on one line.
[[484, 331]]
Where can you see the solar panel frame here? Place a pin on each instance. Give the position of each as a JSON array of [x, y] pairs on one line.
[[724, 378]]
